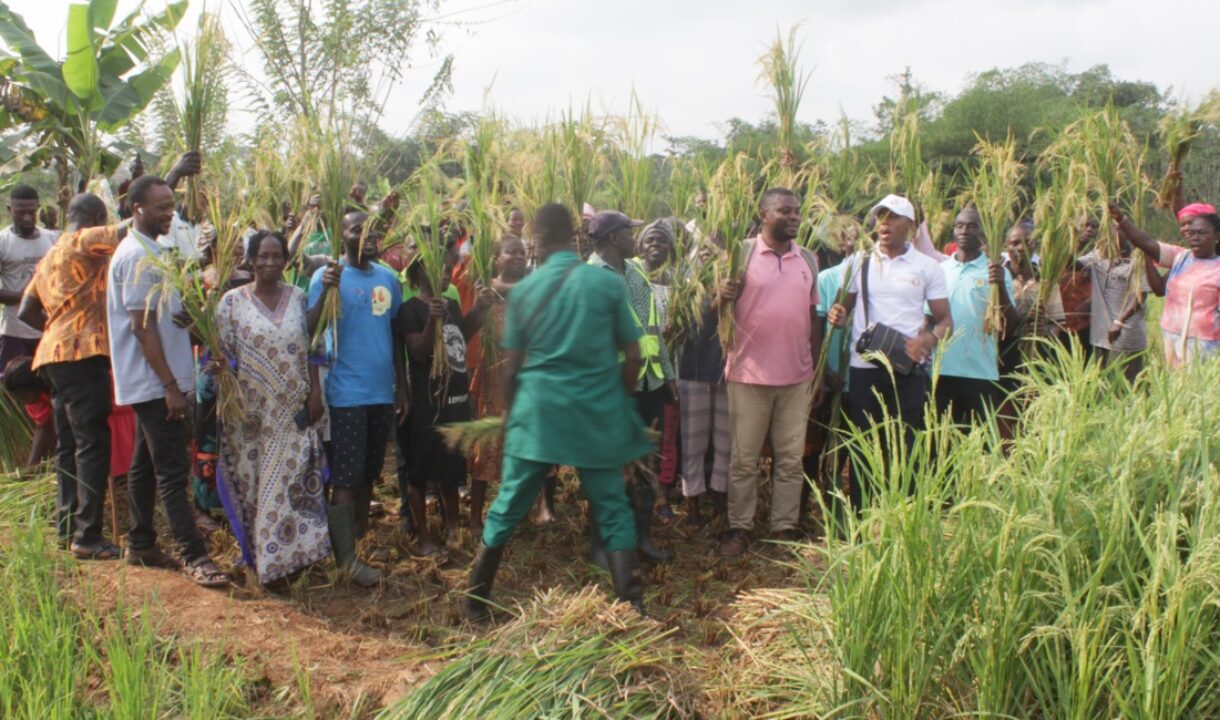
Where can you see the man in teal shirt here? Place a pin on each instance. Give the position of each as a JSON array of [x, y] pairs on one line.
[[569, 403], [967, 385]]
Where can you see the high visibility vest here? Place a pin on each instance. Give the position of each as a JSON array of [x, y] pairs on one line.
[[650, 340]]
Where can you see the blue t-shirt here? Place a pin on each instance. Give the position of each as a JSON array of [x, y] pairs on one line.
[[830, 281], [362, 363], [970, 352]]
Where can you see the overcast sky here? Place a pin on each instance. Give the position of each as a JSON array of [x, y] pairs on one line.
[[693, 62]]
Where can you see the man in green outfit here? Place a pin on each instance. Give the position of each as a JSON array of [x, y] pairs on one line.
[[569, 403]]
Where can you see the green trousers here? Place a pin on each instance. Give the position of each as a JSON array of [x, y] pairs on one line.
[[521, 481]]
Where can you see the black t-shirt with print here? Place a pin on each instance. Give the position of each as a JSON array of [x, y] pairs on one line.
[[436, 401]]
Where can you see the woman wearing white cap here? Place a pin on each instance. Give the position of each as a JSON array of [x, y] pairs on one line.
[[897, 283]]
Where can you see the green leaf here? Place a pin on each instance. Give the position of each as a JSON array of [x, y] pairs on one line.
[[125, 99], [19, 37], [103, 12], [80, 68]]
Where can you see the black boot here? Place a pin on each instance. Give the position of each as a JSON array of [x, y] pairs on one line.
[[644, 502], [625, 574], [597, 551], [482, 575], [343, 542], [363, 499]]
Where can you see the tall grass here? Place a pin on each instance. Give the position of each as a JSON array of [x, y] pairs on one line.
[[779, 68], [995, 192], [54, 647], [1069, 573]]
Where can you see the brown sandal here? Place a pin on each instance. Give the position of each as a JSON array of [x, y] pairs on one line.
[[206, 574]]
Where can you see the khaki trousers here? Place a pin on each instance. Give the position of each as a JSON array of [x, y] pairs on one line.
[[756, 411]]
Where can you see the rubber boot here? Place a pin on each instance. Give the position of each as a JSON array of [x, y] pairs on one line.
[[625, 574], [364, 499], [597, 551], [482, 575], [643, 502], [343, 542]]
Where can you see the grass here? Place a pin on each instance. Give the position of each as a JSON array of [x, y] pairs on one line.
[[61, 658]]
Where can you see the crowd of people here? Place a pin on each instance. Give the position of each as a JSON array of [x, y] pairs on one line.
[[573, 345]]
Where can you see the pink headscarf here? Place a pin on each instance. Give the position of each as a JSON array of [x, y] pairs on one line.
[[1195, 210]]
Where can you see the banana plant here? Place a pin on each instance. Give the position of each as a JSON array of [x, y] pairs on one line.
[[62, 112]]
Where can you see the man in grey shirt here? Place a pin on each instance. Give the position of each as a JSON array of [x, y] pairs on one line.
[[153, 370], [1118, 329], [22, 245]]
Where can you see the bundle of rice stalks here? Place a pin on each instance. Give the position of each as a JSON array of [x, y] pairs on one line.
[[780, 69], [467, 437], [1060, 206], [564, 655], [996, 194], [228, 220], [732, 208], [481, 185], [1103, 144], [685, 186], [1178, 130], [781, 663], [934, 202], [907, 167], [579, 140], [202, 102], [691, 281], [532, 166], [632, 185], [429, 219]]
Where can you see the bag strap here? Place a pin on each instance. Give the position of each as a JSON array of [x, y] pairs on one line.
[[550, 295], [864, 286]]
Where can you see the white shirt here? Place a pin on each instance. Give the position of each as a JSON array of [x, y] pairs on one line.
[[182, 237], [133, 283], [898, 291], [18, 258]]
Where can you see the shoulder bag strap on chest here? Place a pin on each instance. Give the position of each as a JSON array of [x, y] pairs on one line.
[[864, 285]]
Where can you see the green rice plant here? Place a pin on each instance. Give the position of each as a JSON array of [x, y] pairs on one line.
[[780, 70], [1061, 204], [579, 141], [201, 98], [428, 220], [480, 189], [631, 181], [1104, 145], [685, 187], [15, 433], [907, 168], [935, 204], [563, 656], [1179, 129], [996, 193], [732, 204]]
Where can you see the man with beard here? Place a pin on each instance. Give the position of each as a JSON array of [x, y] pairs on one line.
[[153, 371], [22, 245], [770, 368]]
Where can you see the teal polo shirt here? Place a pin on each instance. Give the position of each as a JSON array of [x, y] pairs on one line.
[[830, 281], [970, 352]]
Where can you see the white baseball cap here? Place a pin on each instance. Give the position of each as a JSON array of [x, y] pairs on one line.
[[897, 205]]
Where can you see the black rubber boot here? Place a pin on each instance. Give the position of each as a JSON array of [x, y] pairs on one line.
[[597, 551], [625, 574], [343, 542], [644, 502], [482, 575], [363, 499]]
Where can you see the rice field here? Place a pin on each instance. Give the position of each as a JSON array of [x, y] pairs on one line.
[[1072, 572]]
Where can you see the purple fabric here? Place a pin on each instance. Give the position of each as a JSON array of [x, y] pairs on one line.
[[239, 532]]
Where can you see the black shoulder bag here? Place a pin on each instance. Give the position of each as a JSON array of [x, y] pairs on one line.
[[879, 338]]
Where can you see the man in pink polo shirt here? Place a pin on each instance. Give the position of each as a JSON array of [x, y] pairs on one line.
[[770, 368]]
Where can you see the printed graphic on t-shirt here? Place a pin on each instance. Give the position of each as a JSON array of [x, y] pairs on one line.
[[381, 300], [455, 348]]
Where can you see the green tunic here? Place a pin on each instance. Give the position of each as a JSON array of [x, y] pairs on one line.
[[570, 407]]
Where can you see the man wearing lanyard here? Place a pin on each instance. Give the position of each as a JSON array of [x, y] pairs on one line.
[[614, 249]]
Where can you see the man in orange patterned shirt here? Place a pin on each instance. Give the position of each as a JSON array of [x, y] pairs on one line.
[[66, 299]]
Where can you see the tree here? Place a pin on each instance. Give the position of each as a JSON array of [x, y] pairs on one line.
[[61, 113]]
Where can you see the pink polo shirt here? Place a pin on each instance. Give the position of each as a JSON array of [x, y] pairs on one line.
[[773, 316]]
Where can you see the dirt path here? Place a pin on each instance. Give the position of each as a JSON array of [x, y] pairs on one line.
[[271, 635]]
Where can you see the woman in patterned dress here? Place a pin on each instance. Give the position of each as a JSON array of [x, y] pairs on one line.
[[271, 463]]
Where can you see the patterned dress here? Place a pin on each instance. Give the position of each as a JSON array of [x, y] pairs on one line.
[[271, 472]]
